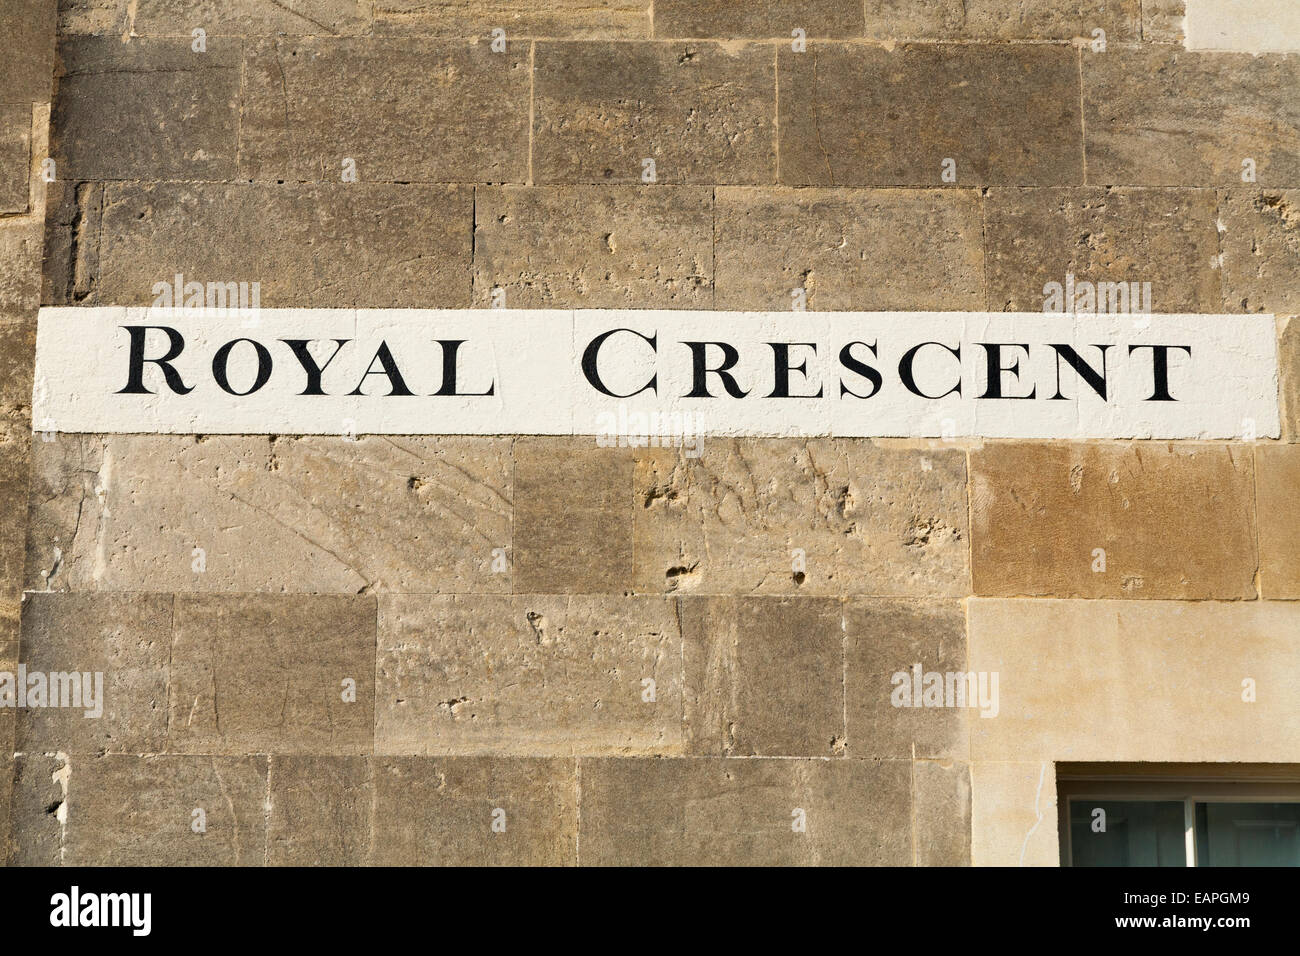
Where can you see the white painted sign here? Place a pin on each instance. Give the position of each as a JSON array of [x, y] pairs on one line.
[[655, 373]]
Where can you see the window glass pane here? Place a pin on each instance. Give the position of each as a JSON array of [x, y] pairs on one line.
[[1127, 833], [1247, 834]]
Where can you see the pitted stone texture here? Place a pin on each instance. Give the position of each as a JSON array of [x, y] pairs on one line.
[[719, 811], [884, 639], [574, 19], [126, 810], [271, 673], [1279, 519], [1289, 368], [594, 247], [1165, 237], [1162, 20], [763, 677], [1013, 814], [941, 797], [868, 116], [21, 243], [403, 110], [841, 247], [1174, 521], [15, 156], [529, 675], [1261, 250], [573, 516], [1001, 19], [704, 112], [127, 639], [868, 519], [127, 513], [422, 811], [1163, 116], [357, 245], [1138, 680], [728, 20], [27, 51], [149, 109]]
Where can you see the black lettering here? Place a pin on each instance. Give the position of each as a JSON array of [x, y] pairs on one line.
[[135, 368], [783, 368], [308, 363], [1160, 369], [700, 370], [906, 373], [592, 373]]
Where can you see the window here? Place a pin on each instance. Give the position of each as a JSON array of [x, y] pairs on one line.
[[1179, 814]]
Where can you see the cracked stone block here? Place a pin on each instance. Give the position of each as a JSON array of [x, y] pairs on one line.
[[149, 109], [885, 717], [587, 247], [703, 112], [763, 677], [536, 675], [402, 110], [1001, 19], [719, 811], [15, 157], [567, 19], [1161, 236], [868, 116], [127, 810], [1261, 250], [1163, 520], [573, 516], [726, 19], [238, 514], [1013, 814], [840, 246], [816, 517], [71, 266], [1279, 513], [423, 811], [1164, 116], [1138, 680], [364, 246], [125, 638], [27, 51], [941, 798], [272, 673]]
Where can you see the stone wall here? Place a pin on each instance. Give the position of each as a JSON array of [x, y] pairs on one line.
[[649, 676]]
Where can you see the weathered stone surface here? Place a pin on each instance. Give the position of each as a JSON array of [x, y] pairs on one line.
[[71, 243], [1174, 521], [1164, 237], [402, 110], [8, 662], [249, 17], [603, 19], [1163, 116], [726, 19], [20, 265], [729, 812], [1000, 19], [1278, 485], [885, 638], [440, 812], [1013, 814], [125, 810], [27, 50], [941, 795], [17, 359], [125, 638], [1289, 368], [842, 247], [15, 156], [869, 519], [1261, 250], [868, 116], [1135, 681], [703, 112], [530, 675], [263, 673], [15, 442], [270, 514], [338, 245], [573, 516], [593, 247], [1162, 20], [149, 109], [320, 811], [763, 677]]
